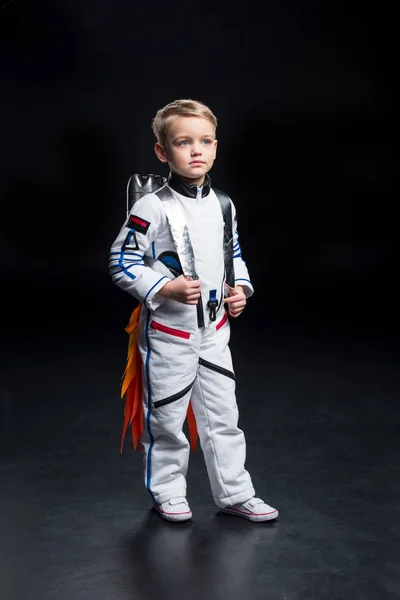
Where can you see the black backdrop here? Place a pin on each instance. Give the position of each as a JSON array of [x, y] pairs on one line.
[[302, 96]]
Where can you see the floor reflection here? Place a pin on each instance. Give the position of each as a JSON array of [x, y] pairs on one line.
[[212, 559]]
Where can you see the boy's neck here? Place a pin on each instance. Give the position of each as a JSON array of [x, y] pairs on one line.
[[186, 189]]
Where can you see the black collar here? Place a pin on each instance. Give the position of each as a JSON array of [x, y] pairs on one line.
[[180, 186]]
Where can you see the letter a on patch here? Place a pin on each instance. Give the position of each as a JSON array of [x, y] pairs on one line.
[[130, 242]]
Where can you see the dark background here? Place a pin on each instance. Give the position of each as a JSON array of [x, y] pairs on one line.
[[302, 94]]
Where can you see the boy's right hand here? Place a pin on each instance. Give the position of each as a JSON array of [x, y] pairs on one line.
[[182, 289]]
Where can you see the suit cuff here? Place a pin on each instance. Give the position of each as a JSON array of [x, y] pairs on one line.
[[152, 299]]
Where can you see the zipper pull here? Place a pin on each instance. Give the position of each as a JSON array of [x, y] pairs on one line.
[[212, 305]]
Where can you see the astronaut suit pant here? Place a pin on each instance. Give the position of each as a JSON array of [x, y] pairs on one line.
[[182, 362]]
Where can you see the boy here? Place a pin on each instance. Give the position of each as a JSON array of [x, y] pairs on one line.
[[173, 256]]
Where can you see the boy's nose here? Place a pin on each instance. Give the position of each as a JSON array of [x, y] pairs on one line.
[[196, 149]]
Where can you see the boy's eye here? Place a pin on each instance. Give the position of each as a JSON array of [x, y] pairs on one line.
[[183, 143], [207, 141]]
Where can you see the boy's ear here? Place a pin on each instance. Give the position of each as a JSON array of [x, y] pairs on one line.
[[160, 151], [215, 149]]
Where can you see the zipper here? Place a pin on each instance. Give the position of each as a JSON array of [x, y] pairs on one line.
[[216, 368], [174, 397]]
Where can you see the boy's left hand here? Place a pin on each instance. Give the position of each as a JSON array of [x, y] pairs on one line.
[[236, 301]]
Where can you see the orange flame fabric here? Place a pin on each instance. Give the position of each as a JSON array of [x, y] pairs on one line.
[[132, 390], [192, 427], [132, 383]]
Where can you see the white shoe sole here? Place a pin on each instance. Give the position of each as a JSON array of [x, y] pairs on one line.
[[257, 518], [174, 517]]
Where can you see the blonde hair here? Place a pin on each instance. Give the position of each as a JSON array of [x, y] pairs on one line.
[[179, 108]]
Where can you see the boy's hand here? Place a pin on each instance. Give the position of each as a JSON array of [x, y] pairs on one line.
[[182, 289], [236, 301]]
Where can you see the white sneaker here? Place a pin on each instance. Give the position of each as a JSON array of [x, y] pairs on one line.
[[254, 509], [176, 509]]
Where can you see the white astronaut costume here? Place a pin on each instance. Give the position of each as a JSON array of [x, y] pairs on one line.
[[184, 348]]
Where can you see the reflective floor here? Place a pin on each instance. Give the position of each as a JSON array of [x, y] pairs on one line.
[[319, 407]]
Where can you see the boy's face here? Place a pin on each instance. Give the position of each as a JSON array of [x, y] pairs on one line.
[[190, 148]]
